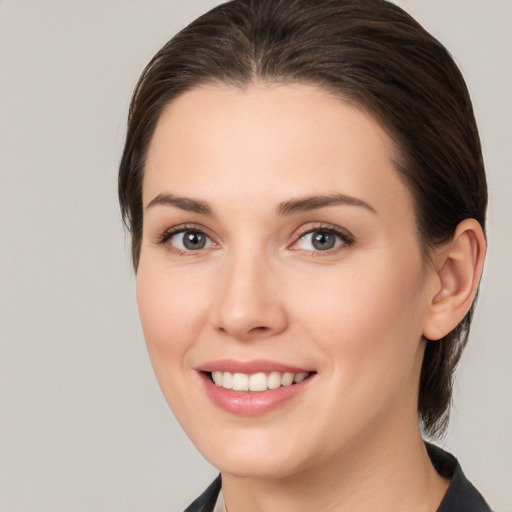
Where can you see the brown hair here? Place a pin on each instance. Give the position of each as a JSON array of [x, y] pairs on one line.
[[368, 52]]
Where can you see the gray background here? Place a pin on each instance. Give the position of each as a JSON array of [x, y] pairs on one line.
[[83, 424]]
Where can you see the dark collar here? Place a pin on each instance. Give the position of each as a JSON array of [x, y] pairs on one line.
[[206, 502], [461, 496]]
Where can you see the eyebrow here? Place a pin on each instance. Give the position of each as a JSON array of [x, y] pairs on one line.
[[306, 204], [183, 203], [303, 204]]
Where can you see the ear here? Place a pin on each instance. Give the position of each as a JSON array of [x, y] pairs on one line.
[[458, 267]]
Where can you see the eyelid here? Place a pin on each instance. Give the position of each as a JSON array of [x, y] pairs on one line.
[[344, 235], [164, 237]]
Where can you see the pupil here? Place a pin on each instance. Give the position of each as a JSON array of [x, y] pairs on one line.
[[193, 240], [323, 240]]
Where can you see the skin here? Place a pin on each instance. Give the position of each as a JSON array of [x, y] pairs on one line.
[[355, 314]]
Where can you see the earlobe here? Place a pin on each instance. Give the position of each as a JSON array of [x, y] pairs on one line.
[[459, 266]]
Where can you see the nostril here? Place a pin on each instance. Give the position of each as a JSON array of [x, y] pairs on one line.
[[259, 329]]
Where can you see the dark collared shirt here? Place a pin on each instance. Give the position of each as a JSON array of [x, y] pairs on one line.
[[461, 496]]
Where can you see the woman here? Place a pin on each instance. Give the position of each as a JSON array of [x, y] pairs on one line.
[[305, 191]]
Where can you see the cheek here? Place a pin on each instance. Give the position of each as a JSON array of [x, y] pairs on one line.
[[368, 325], [369, 318], [170, 311]]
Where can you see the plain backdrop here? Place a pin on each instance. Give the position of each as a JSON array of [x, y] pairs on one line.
[[83, 424]]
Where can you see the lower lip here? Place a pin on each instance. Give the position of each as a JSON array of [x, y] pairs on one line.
[[247, 403]]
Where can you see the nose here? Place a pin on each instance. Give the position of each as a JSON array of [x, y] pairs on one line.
[[249, 304]]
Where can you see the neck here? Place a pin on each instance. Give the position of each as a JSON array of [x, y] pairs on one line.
[[390, 473]]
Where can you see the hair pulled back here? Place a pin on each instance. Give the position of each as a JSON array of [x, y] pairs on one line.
[[369, 53]]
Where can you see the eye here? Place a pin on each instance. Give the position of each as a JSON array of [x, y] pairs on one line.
[[322, 240], [185, 240], [190, 240]]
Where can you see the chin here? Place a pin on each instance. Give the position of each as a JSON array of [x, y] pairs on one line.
[[253, 457], [260, 467]]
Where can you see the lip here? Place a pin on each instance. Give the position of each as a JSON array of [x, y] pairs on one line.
[[249, 367], [247, 403]]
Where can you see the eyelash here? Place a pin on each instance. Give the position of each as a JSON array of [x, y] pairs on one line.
[[169, 233], [344, 236]]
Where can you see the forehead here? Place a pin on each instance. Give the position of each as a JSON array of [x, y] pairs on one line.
[[297, 138]]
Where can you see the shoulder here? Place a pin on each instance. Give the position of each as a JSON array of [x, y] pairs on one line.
[[206, 502], [461, 495]]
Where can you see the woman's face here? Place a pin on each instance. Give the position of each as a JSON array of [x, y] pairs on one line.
[[280, 242]]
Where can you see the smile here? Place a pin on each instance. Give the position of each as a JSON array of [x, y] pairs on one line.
[[253, 388], [256, 382]]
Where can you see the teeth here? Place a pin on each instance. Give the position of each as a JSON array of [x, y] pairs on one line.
[[227, 380], [217, 378], [256, 381], [287, 379], [300, 377], [240, 382], [274, 380]]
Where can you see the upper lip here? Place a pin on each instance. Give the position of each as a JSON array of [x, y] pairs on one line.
[[249, 367]]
